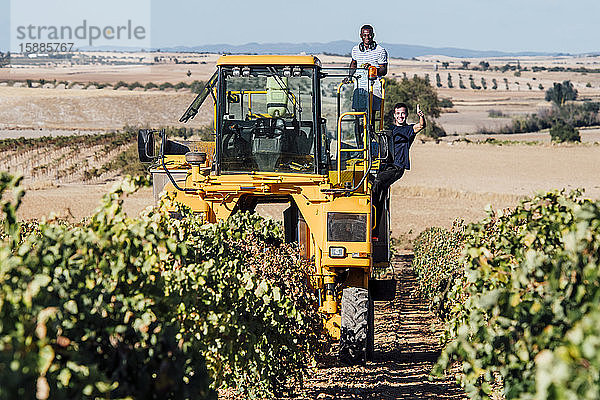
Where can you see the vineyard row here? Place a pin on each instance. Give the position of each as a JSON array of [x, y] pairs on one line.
[[519, 295], [151, 306]]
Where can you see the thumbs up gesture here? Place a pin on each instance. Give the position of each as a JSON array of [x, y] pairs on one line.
[[419, 112]]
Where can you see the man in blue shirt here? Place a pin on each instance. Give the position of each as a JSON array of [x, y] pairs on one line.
[[401, 138]]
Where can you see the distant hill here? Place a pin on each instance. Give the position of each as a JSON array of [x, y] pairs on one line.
[[343, 47]]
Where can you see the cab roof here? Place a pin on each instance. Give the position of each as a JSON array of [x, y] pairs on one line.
[[268, 60]]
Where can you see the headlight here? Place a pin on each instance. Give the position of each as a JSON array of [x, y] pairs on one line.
[[346, 227], [337, 252]]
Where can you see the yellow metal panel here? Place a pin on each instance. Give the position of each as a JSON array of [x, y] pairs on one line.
[[268, 60], [352, 204]]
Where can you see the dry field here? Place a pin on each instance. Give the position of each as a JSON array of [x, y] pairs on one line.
[[85, 110], [49, 108], [450, 179]]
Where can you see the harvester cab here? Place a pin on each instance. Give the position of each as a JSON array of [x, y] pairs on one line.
[[286, 132]]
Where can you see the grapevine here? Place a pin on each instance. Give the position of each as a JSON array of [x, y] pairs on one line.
[[151, 306]]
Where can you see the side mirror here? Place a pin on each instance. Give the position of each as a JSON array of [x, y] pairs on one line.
[[146, 145]]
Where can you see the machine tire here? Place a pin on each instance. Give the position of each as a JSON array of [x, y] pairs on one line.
[[371, 330], [355, 325]]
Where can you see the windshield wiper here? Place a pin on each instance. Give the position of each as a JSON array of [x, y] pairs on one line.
[[195, 106]]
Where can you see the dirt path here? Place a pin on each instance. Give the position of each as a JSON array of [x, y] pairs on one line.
[[406, 348]]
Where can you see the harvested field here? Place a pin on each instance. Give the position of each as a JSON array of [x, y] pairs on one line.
[[94, 109], [76, 201], [588, 135], [516, 170]]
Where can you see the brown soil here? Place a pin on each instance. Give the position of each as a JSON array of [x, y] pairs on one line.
[[406, 348], [76, 201]]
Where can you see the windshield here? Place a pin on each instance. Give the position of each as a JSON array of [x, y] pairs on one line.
[[267, 123]]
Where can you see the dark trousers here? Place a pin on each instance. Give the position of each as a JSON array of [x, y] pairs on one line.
[[388, 174]]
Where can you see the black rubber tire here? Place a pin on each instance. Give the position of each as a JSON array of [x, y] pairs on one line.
[[371, 330], [355, 326]]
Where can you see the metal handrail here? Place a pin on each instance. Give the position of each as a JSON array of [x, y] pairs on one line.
[[339, 136], [365, 149]]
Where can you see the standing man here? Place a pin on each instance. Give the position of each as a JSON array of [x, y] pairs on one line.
[[365, 54], [401, 138]]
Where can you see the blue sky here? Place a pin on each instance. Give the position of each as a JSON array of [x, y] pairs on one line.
[[505, 25]]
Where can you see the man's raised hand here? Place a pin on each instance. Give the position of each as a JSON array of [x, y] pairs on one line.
[[419, 112]]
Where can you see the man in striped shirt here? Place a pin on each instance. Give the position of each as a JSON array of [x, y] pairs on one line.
[[365, 54]]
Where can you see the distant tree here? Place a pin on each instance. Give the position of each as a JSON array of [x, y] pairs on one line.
[[197, 86], [541, 87], [561, 131], [411, 92], [465, 64], [517, 73], [446, 103], [560, 93], [445, 65], [4, 59], [134, 85], [484, 65], [189, 73], [588, 85], [427, 79], [473, 84]]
